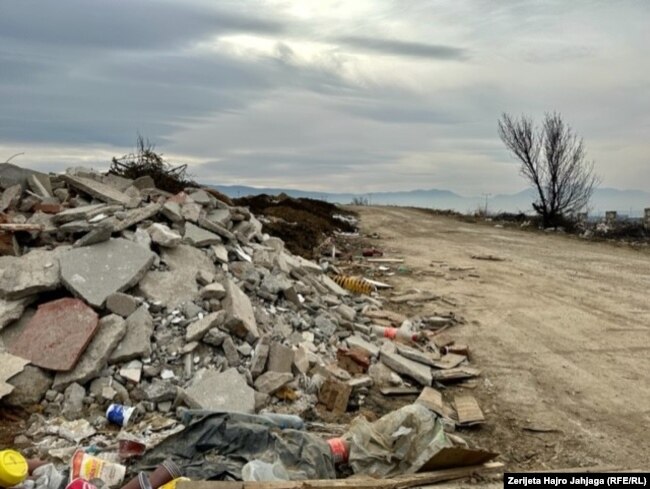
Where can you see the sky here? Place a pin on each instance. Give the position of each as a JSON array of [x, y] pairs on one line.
[[324, 95]]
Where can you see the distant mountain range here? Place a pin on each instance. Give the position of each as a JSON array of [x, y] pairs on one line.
[[625, 202]]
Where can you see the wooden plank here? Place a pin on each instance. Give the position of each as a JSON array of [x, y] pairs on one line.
[[468, 411], [455, 457], [399, 391], [450, 360], [16, 226], [406, 481], [432, 399], [385, 260], [458, 373]]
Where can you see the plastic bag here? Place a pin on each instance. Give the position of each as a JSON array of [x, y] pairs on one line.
[[399, 443]]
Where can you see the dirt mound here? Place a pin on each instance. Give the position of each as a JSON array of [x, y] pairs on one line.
[[301, 223]]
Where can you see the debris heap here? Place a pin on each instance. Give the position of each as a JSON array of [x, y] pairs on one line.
[[114, 291]]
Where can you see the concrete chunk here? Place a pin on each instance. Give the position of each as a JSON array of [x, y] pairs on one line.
[[100, 191], [79, 213], [220, 253], [30, 386], [418, 355], [280, 358], [260, 357], [137, 341], [11, 310], [10, 365], [110, 332], [216, 228], [177, 285], [240, 318], [133, 217], [199, 237], [417, 371], [196, 330], [227, 391], [162, 235], [230, 350], [356, 341], [269, 382], [35, 272], [121, 304], [213, 291], [95, 272]]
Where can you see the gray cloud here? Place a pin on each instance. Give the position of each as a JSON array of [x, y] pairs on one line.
[[404, 48], [77, 24]]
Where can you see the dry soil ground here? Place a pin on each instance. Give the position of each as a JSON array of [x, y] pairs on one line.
[[560, 328]]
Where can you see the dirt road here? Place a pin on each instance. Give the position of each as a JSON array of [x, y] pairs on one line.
[[560, 328]]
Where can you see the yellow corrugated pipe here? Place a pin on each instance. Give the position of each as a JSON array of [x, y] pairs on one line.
[[357, 285]]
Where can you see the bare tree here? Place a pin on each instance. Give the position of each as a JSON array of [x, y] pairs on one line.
[[553, 160]]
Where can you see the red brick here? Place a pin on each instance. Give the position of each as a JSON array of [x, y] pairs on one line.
[[57, 335]]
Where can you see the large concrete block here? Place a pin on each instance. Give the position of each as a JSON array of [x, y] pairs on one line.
[[95, 272]]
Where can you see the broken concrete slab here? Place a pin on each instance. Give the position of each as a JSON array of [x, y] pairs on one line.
[[110, 332], [172, 211], [230, 350], [57, 335], [100, 191], [98, 271], [10, 365], [163, 236], [40, 185], [427, 358], [10, 197], [133, 217], [240, 318], [280, 358], [137, 340], [356, 341], [269, 382], [260, 357], [35, 272], [220, 253], [12, 310], [132, 371], [219, 216], [199, 237], [122, 304], [30, 386], [196, 330], [216, 228], [99, 234], [177, 285], [83, 213], [215, 391], [402, 365]]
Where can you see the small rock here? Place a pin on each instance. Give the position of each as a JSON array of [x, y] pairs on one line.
[[121, 304], [163, 236], [213, 291], [74, 401]]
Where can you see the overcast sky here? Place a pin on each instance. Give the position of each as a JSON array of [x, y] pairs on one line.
[[325, 95]]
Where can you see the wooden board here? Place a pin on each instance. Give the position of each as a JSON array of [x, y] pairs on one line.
[[468, 411], [399, 482]]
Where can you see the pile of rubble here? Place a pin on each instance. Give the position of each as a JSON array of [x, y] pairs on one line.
[[113, 291]]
